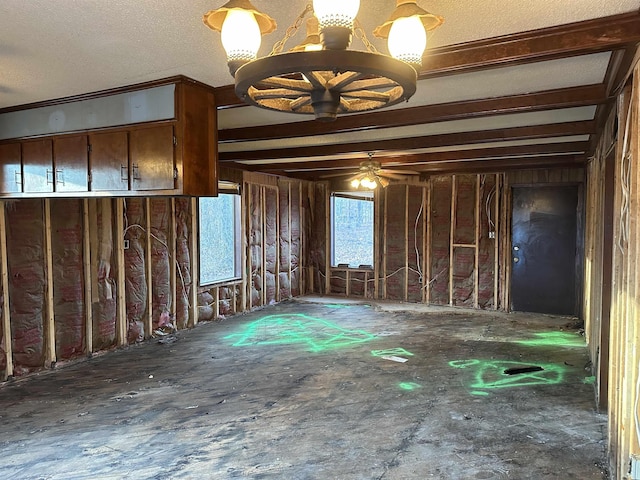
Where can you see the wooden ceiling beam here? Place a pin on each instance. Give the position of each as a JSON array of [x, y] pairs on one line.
[[430, 141], [414, 161], [591, 36], [442, 112], [580, 38]]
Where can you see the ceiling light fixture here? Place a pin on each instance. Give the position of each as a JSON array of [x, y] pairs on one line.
[[320, 76]]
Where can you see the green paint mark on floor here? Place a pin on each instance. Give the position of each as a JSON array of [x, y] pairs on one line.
[[589, 380], [296, 328], [555, 339], [490, 374], [390, 352], [409, 386]]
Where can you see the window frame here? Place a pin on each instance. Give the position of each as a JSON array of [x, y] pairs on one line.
[[368, 196], [237, 239]]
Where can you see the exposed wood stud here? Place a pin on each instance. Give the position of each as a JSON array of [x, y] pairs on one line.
[[405, 289], [86, 274], [249, 271], [246, 267], [384, 253], [49, 317], [263, 244], [148, 319], [496, 241], [452, 229], [476, 266], [427, 271], [194, 262], [173, 262], [6, 313], [121, 317], [328, 242]]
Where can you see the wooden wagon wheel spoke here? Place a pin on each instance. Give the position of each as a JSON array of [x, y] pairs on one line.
[[274, 93], [300, 102], [286, 83], [370, 84], [368, 95], [343, 80]]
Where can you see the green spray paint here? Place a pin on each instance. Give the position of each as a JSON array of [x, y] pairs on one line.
[[296, 328], [409, 386], [555, 339], [391, 352], [489, 374]]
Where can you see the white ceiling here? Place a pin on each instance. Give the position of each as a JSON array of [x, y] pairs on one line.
[[55, 48], [51, 49]]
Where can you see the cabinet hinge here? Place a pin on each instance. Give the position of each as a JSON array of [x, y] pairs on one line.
[[175, 173], [175, 141]]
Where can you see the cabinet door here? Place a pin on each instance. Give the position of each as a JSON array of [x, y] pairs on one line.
[[10, 168], [151, 158], [71, 163], [109, 162], [37, 166]]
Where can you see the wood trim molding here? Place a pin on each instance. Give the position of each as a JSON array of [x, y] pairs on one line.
[[530, 102], [586, 127]]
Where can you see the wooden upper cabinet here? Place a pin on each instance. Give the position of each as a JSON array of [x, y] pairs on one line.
[[71, 162], [10, 168], [37, 166], [109, 158], [151, 158]]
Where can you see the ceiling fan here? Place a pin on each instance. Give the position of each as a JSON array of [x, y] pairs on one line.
[[371, 175]]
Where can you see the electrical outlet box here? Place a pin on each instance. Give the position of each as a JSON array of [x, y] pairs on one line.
[[634, 472], [126, 244], [492, 234]]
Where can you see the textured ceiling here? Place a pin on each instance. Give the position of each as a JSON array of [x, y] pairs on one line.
[[544, 106], [56, 48]]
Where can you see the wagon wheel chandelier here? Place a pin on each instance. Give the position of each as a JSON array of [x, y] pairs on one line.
[[320, 76]]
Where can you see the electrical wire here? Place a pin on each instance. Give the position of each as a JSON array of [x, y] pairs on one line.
[[159, 240]]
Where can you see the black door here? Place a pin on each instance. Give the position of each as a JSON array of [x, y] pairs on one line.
[[544, 249]]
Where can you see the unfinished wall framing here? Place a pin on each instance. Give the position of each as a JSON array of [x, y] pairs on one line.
[[83, 275], [273, 235]]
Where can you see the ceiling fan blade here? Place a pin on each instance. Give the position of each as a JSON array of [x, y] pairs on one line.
[[392, 175], [343, 174], [384, 171]]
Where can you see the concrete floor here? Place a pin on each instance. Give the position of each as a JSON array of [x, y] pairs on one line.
[[303, 390]]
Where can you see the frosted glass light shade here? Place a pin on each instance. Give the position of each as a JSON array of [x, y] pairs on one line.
[[240, 35], [407, 40], [336, 13]]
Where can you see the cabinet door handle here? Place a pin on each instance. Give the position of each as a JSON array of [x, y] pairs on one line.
[[136, 173], [50, 176], [60, 177], [124, 175], [18, 177]]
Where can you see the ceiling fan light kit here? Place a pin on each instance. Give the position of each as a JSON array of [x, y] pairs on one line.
[[321, 76]]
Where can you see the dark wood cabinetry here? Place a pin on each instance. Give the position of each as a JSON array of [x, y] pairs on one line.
[[37, 166], [10, 168], [71, 163], [174, 156], [151, 158], [109, 157]]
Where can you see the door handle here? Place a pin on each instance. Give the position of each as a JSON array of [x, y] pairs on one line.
[[50, 176], [516, 259], [136, 173], [60, 177], [124, 175], [18, 177]]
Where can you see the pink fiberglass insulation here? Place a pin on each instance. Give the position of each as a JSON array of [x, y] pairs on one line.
[[486, 258], [104, 290], [135, 268], [439, 244], [271, 241], [160, 266], [464, 233], [206, 305], [255, 245], [25, 251], [3, 352], [184, 279], [296, 222], [319, 211], [415, 252], [283, 239], [68, 277], [395, 241]]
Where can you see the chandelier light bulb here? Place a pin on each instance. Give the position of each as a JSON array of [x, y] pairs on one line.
[[407, 40], [336, 13], [240, 37], [355, 183]]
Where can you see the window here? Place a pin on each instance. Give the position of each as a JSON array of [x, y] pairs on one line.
[[219, 238], [352, 229]]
